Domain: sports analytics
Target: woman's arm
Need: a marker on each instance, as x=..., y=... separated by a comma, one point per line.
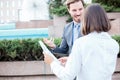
x=72, y=67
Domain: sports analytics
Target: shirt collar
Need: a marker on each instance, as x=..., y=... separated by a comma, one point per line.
x=75, y=23
x=99, y=35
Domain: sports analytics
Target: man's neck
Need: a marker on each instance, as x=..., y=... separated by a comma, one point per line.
x=76, y=22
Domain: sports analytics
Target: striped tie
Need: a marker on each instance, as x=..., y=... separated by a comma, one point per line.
x=76, y=32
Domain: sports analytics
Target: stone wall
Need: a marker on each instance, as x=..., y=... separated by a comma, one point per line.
x=56, y=25
x=34, y=24
x=26, y=70
x=35, y=70
x=115, y=22
x=59, y=23
x=115, y=29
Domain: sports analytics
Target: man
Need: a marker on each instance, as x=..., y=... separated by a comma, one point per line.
x=72, y=30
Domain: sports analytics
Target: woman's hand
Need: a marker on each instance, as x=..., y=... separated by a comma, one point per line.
x=48, y=59
x=50, y=42
x=63, y=60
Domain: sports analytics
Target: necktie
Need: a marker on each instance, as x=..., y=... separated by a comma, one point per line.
x=76, y=32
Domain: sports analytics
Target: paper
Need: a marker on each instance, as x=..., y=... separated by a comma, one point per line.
x=45, y=49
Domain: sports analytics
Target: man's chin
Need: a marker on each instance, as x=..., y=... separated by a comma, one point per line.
x=78, y=20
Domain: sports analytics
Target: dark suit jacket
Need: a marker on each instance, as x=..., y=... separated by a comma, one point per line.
x=67, y=40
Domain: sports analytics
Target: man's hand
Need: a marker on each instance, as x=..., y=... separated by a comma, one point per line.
x=50, y=42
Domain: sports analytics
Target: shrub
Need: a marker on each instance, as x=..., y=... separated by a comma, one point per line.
x=117, y=38
x=109, y=5
x=17, y=50
x=115, y=3
x=21, y=49
x=57, y=7
x=27, y=49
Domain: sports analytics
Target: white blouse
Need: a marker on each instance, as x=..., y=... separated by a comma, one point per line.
x=93, y=57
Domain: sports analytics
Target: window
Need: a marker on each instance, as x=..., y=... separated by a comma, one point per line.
x=8, y=12
x=8, y=4
x=13, y=13
x=13, y=3
x=1, y=13
x=1, y=4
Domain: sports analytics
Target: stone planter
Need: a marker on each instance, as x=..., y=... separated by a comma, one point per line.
x=59, y=22
x=25, y=70
x=116, y=75
x=113, y=15
x=115, y=22
x=34, y=70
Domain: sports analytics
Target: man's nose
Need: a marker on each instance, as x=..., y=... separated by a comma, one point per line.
x=78, y=12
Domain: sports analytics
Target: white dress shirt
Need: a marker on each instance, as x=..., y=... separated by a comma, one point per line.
x=93, y=57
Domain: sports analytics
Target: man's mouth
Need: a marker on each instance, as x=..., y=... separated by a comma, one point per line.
x=77, y=16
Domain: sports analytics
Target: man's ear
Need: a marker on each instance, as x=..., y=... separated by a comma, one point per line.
x=68, y=10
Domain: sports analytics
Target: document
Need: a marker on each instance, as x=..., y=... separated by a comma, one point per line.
x=46, y=50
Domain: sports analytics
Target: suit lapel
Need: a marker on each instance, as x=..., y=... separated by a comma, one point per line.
x=70, y=34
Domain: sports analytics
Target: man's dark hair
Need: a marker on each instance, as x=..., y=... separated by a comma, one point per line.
x=68, y=2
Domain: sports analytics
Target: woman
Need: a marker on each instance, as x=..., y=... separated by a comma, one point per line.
x=93, y=56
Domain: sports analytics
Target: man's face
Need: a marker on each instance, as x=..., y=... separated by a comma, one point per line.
x=76, y=9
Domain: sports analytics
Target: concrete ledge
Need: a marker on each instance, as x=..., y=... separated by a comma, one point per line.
x=34, y=24
x=116, y=76
x=113, y=15
x=115, y=29
x=118, y=66
x=24, y=68
x=35, y=70
x=30, y=78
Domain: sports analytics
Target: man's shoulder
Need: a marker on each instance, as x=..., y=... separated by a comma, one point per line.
x=69, y=24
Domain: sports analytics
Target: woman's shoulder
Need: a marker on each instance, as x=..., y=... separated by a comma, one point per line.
x=83, y=40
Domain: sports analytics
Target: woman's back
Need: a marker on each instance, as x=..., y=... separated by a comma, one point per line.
x=98, y=61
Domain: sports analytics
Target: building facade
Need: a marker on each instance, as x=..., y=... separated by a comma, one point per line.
x=10, y=10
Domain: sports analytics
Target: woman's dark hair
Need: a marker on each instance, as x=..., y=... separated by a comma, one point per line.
x=95, y=19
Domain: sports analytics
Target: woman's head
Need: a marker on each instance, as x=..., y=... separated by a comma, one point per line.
x=95, y=19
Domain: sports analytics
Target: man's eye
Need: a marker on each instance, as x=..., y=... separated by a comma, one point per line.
x=74, y=10
x=80, y=9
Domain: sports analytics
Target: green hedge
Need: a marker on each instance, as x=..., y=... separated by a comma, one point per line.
x=26, y=49
x=109, y=5
x=57, y=7
x=117, y=38
x=115, y=3
x=22, y=49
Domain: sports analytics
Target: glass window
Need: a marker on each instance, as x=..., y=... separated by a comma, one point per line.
x=7, y=4
x=13, y=3
x=19, y=3
x=8, y=12
x=1, y=4
x=13, y=13
x=1, y=13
